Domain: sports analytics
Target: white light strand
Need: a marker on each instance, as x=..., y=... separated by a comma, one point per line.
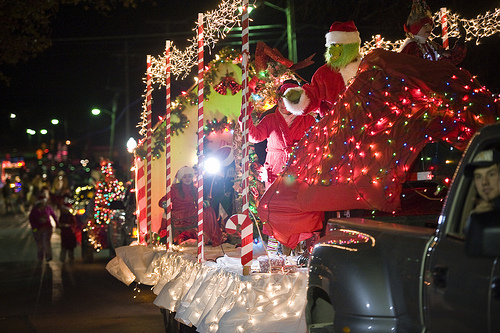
x=481, y=27
x=143, y=123
x=226, y=16
x=217, y=24
x=209, y=293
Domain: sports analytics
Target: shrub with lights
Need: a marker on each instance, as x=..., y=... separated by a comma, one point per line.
x=107, y=190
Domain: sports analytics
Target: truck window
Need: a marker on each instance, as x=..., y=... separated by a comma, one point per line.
x=459, y=228
x=467, y=202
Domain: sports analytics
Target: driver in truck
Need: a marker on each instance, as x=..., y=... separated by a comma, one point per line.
x=485, y=172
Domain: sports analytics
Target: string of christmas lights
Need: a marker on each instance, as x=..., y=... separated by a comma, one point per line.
x=216, y=299
x=482, y=26
x=179, y=120
x=382, y=122
x=107, y=190
x=218, y=23
x=223, y=19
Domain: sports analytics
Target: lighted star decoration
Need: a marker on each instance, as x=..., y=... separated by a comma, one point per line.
x=482, y=26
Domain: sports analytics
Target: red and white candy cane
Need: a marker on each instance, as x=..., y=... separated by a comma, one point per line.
x=167, y=148
x=246, y=228
x=148, y=154
x=201, y=241
x=378, y=41
x=444, y=28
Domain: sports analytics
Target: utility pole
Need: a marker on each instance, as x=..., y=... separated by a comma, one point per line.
x=290, y=27
x=113, y=117
x=127, y=91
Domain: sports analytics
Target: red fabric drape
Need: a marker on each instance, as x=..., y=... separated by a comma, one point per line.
x=358, y=155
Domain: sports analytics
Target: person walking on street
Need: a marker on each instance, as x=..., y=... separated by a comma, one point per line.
x=7, y=196
x=42, y=228
x=67, y=224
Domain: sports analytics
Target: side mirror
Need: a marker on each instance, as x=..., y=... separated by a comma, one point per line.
x=483, y=235
x=117, y=204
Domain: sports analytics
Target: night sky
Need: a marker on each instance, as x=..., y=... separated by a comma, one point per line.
x=86, y=66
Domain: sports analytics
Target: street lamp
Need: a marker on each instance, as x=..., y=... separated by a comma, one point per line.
x=112, y=113
x=131, y=145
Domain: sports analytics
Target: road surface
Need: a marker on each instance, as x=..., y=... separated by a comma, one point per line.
x=65, y=297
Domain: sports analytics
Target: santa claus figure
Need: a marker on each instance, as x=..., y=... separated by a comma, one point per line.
x=282, y=129
x=418, y=28
x=330, y=80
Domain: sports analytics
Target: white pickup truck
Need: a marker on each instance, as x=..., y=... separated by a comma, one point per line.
x=372, y=276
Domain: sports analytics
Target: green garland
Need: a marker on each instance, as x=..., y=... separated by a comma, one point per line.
x=218, y=125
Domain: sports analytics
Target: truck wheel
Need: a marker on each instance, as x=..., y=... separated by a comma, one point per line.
x=87, y=249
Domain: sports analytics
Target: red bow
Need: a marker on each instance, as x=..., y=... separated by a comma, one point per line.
x=263, y=54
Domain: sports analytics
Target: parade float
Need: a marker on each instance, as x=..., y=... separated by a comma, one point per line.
x=245, y=288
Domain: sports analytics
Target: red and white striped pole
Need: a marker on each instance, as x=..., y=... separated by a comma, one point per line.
x=201, y=241
x=140, y=191
x=167, y=147
x=148, y=154
x=247, y=227
x=444, y=28
x=378, y=41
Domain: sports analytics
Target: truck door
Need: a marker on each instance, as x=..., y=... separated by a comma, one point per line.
x=495, y=299
x=457, y=286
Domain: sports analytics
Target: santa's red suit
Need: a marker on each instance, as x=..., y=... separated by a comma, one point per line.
x=359, y=155
x=280, y=138
x=418, y=27
x=185, y=213
x=328, y=82
x=429, y=50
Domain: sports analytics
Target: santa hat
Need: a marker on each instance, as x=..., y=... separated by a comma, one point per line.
x=185, y=170
x=419, y=16
x=286, y=85
x=342, y=33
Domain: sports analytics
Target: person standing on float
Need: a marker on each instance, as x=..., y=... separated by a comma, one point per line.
x=282, y=129
x=330, y=80
x=418, y=28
